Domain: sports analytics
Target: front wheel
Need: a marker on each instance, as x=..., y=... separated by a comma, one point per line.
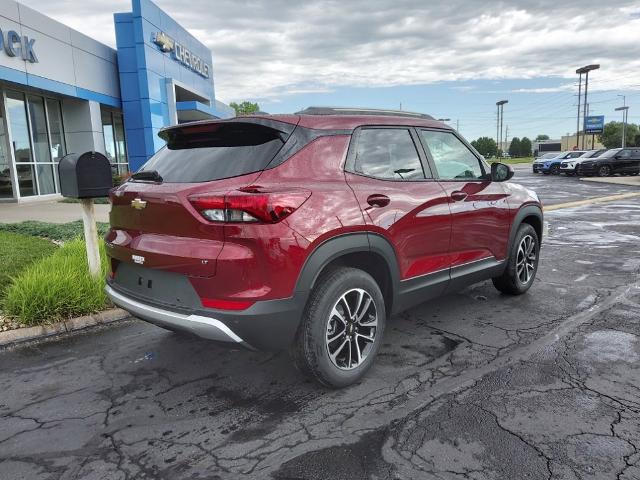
x=604, y=171
x=522, y=263
x=555, y=170
x=341, y=329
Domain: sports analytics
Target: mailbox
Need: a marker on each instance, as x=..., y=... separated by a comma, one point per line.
x=85, y=176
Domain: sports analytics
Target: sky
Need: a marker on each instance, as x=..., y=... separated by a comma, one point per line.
x=450, y=59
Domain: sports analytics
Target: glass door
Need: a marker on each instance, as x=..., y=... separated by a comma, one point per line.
x=41, y=149
x=21, y=144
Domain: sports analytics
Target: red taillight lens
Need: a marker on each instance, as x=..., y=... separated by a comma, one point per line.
x=252, y=206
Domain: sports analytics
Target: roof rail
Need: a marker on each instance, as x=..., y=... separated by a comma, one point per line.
x=361, y=111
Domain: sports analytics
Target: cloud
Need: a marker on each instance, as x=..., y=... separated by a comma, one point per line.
x=271, y=48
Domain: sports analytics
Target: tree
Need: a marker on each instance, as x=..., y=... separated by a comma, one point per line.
x=612, y=135
x=245, y=108
x=486, y=146
x=541, y=138
x=514, y=147
x=525, y=147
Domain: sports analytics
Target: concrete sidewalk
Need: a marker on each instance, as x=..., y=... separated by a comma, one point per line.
x=48, y=211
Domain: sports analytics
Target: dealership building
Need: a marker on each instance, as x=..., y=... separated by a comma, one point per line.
x=63, y=92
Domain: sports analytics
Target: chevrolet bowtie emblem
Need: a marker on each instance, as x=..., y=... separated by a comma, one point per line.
x=138, y=203
x=164, y=41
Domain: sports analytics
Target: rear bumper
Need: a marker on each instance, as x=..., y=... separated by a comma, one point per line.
x=267, y=325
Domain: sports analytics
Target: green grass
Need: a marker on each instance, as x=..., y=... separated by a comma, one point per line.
x=55, y=231
x=512, y=161
x=17, y=252
x=57, y=287
x=97, y=201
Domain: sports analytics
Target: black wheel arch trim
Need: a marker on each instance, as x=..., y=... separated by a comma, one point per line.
x=344, y=244
x=524, y=212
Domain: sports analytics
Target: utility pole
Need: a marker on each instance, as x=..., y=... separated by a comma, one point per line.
x=586, y=69
x=500, y=106
x=625, y=115
x=578, y=116
x=506, y=137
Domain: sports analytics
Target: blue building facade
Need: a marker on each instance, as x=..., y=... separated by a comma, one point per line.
x=166, y=77
x=63, y=92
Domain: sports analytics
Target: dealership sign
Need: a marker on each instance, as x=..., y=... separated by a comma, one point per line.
x=181, y=54
x=594, y=124
x=15, y=45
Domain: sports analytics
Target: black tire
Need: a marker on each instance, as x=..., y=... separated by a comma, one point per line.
x=604, y=171
x=510, y=281
x=555, y=169
x=310, y=350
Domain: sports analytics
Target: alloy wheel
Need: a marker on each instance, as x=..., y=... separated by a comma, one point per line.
x=351, y=329
x=526, y=259
x=604, y=171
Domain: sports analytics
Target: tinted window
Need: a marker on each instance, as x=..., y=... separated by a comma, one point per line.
x=574, y=154
x=624, y=154
x=387, y=153
x=214, y=151
x=452, y=157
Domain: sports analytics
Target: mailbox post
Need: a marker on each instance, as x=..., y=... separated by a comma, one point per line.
x=86, y=177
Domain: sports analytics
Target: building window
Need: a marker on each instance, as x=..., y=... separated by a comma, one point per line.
x=37, y=141
x=114, y=141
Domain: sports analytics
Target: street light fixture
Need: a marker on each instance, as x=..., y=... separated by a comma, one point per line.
x=499, y=122
x=586, y=69
x=444, y=119
x=625, y=114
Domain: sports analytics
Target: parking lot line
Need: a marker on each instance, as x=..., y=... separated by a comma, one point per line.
x=591, y=201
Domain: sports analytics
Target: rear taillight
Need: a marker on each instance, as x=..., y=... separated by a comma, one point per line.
x=250, y=205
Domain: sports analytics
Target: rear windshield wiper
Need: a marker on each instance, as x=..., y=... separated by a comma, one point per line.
x=148, y=176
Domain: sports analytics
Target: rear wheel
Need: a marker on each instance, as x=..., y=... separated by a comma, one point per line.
x=341, y=329
x=604, y=171
x=522, y=263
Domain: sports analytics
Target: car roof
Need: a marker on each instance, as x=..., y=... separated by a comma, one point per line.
x=332, y=118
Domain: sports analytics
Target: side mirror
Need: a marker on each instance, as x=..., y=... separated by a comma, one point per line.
x=501, y=172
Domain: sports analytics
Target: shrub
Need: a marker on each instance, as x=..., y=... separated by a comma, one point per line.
x=55, y=231
x=18, y=252
x=57, y=287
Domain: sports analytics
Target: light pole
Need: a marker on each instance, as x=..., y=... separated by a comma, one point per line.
x=586, y=69
x=500, y=106
x=625, y=114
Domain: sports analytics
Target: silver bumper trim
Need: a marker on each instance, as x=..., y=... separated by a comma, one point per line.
x=205, y=327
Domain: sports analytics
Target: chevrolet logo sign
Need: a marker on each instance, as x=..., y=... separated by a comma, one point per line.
x=138, y=203
x=164, y=41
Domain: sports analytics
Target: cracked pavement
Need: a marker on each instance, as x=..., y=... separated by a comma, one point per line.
x=475, y=385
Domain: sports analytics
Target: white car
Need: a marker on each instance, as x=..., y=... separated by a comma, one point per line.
x=570, y=165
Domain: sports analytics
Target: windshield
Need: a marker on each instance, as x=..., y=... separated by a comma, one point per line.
x=610, y=153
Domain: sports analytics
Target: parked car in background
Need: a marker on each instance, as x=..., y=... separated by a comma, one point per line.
x=306, y=232
x=546, y=156
x=624, y=161
x=552, y=165
x=568, y=166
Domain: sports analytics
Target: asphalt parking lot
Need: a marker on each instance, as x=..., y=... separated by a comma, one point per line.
x=474, y=385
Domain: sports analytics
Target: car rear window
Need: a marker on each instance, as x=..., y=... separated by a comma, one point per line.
x=201, y=153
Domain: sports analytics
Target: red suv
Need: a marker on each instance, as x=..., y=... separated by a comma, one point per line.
x=308, y=231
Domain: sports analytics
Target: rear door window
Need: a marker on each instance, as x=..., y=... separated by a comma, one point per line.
x=202, y=153
x=387, y=153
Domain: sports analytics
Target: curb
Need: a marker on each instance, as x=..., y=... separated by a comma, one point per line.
x=66, y=326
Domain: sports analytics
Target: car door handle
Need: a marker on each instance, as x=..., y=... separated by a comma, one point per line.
x=458, y=196
x=378, y=200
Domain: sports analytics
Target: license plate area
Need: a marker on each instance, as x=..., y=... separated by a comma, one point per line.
x=157, y=286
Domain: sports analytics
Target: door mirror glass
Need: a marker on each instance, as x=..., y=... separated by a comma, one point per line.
x=501, y=172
